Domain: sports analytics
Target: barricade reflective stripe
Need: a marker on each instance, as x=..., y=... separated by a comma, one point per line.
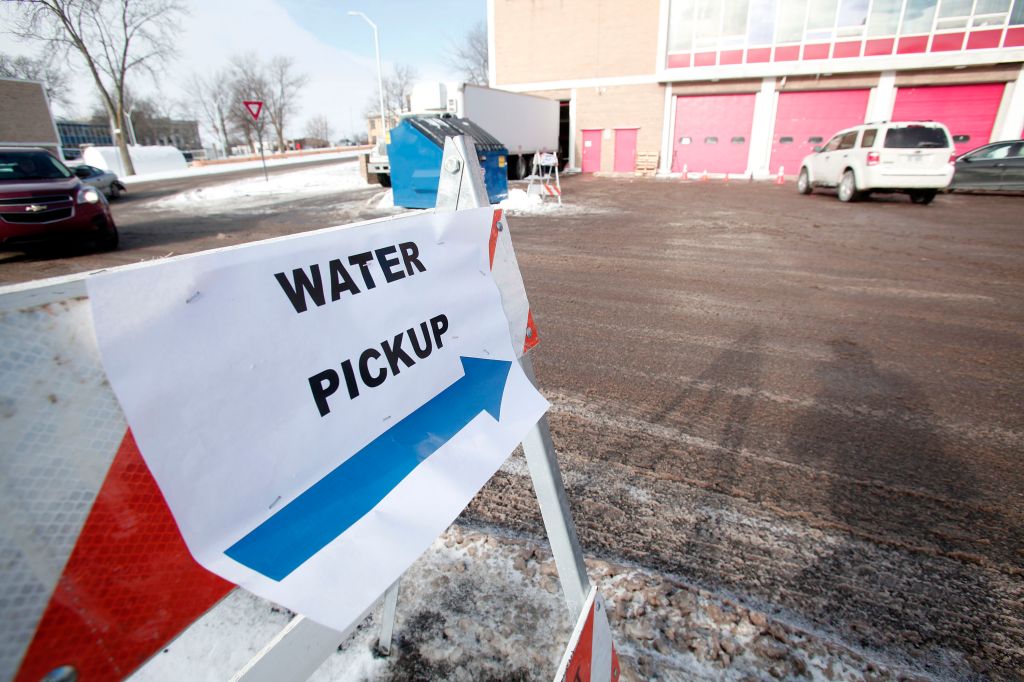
x=97, y=590
x=591, y=655
x=129, y=587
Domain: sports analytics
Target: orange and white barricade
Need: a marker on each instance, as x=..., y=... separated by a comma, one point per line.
x=590, y=656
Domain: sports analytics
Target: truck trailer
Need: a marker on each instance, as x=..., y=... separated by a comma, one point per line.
x=524, y=124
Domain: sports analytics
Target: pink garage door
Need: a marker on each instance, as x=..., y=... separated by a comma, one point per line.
x=591, y=151
x=625, y=150
x=712, y=133
x=807, y=119
x=969, y=111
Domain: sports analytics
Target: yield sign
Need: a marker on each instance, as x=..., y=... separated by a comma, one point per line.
x=254, y=107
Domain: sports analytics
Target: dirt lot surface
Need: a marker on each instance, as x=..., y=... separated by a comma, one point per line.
x=815, y=407
x=811, y=409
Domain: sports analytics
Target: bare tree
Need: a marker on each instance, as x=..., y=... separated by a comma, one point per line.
x=213, y=101
x=284, y=84
x=320, y=128
x=397, y=89
x=469, y=55
x=41, y=68
x=115, y=38
x=248, y=82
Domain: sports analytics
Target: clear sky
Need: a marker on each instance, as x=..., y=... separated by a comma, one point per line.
x=333, y=49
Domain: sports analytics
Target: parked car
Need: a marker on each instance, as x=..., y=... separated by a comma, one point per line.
x=914, y=157
x=999, y=165
x=104, y=180
x=41, y=200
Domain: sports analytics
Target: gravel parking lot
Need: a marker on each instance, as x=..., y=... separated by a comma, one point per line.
x=809, y=407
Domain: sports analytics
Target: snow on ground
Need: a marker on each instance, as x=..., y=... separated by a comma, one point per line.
x=217, y=169
x=519, y=202
x=482, y=604
x=257, y=192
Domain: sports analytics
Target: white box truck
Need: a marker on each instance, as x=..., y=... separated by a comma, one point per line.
x=525, y=124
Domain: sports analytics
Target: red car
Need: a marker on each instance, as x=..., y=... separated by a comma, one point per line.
x=42, y=201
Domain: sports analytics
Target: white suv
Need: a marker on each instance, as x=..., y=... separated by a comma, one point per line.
x=915, y=157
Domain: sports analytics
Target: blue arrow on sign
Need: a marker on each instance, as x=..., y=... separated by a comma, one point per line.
x=330, y=506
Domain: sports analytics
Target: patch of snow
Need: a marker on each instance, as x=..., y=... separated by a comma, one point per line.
x=482, y=604
x=217, y=169
x=256, y=192
x=146, y=159
x=519, y=202
x=382, y=200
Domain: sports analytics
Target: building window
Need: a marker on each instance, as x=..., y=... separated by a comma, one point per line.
x=791, y=19
x=680, y=26
x=853, y=15
x=710, y=140
x=961, y=138
x=953, y=14
x=719, y=25
x=918, y=16
x=786, y=139
x=1017, y=15
x=990, y=12
x=814, y=139
x=885, y=17
x=707, y=24
x=821, y=17
x=761, y=23
x=739, y=139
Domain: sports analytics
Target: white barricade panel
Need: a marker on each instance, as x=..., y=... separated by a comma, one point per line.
x=69, y=521
x=317, y=409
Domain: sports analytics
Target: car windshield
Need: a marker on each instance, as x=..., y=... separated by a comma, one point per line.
x=915, y=137
x=29, y=165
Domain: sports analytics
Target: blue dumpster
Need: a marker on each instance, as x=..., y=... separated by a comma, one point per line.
x=417, y=144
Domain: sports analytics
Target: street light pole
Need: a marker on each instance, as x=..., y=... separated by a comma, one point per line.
x=380, y=75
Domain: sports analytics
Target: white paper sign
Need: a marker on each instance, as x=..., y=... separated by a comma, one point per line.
x=316, y=409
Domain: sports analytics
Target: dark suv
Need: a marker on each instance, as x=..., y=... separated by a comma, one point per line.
x=41, y=200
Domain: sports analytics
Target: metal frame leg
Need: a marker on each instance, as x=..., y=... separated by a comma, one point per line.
x=542, y=462
x=387, y=619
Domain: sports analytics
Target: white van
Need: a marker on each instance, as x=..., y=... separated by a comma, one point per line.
x=915, y=157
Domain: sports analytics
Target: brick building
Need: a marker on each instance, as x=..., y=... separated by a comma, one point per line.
x=747, y=86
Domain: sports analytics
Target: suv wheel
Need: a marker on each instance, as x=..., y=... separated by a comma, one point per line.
x=108, y=237
x=803, y=182
x=848, y=187
x=922, y=196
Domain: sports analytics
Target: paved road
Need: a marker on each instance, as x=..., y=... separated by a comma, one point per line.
x=811, y=406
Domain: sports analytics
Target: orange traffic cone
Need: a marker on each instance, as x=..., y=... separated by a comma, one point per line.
x=727, y=177
x=686, y=173
x=704, y=177
x=781, y=177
